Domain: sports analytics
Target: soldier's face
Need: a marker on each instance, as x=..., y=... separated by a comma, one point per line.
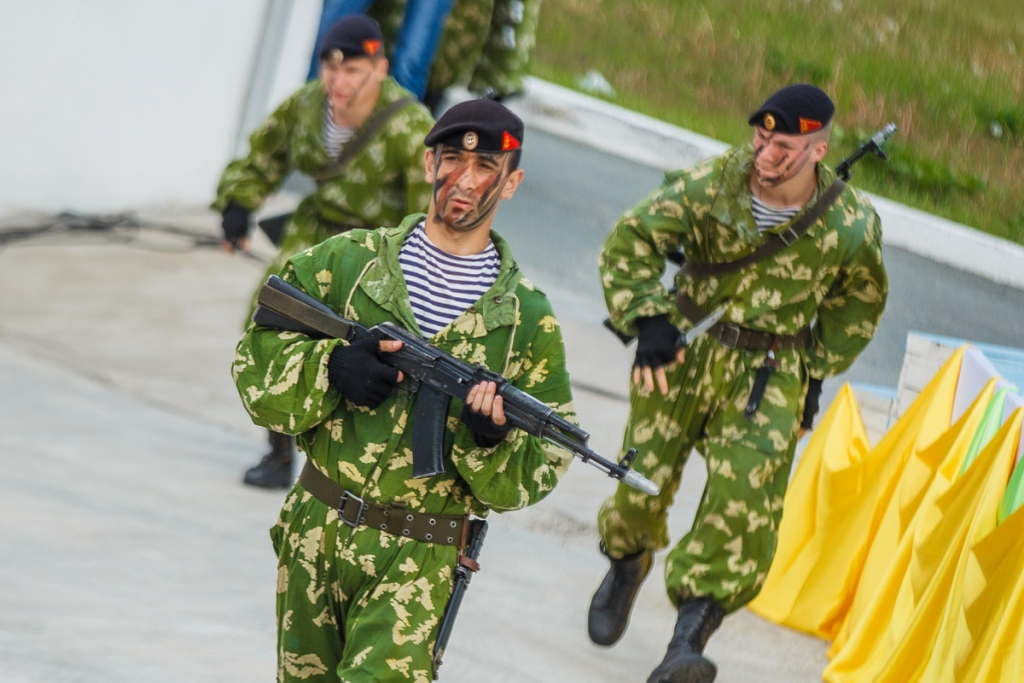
x=353, y=82
x=468, y=186
x=780, y=157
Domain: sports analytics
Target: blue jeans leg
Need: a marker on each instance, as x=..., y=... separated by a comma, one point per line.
x=418, y=43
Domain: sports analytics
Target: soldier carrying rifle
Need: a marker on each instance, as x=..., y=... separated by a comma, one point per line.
x=367, y=552
x=795, y=257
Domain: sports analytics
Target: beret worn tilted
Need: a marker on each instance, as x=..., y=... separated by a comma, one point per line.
x=478, y=126
x=354, y=36
x=796, y=110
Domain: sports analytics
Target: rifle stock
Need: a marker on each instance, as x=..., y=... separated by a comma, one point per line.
x=440, y=375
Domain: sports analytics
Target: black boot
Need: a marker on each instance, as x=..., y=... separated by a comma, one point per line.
x=609, y=610
x=275, y=469
x=684, y=661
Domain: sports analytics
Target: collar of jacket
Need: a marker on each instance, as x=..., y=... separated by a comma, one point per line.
x=385, y=283
x=732, y=205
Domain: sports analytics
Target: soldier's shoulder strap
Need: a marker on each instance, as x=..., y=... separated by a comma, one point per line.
x=362, y=137
x=773, y=246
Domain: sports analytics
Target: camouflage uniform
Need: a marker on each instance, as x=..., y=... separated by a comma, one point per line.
x=506, y=53
x=362, y=605
x=832, y=277
x=382, y=184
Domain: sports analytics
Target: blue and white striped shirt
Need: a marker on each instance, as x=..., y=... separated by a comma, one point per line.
x=442, y=285
x=767, y=218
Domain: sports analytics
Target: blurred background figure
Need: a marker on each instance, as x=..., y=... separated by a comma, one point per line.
x=415, y=45
x=486, y=45
x=359, y=135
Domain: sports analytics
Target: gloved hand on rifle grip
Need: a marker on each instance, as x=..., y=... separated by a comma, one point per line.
x=235, y=223
x=656, y=342
x=487, y=434
x=811, y=403
x=358, y=373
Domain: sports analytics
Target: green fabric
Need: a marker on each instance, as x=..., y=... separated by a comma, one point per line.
x=1014, y=496
x=367, y=579
x=990, y=423
x=832, y=276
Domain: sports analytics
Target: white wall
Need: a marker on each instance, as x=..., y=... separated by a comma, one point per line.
x=109, y=105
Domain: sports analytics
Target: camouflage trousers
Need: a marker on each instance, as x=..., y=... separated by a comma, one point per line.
x=728, y=550
x=354, y=605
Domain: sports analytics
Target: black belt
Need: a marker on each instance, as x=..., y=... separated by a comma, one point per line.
x=392, y=519
x=736, y=337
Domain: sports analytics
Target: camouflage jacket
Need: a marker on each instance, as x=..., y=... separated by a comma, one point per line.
x=282, y=379
x=832, y=277
x=385, y=182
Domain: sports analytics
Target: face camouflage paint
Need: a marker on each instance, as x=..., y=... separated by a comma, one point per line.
x=457, y=206
x=788, y=164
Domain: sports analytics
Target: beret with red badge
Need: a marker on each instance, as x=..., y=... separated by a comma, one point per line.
x=354, y=36
x=796, y=110
x=478, y=126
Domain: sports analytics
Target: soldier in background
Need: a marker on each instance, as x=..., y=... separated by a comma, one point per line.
x=798, y=311
x=415, y=43
x=360, y=136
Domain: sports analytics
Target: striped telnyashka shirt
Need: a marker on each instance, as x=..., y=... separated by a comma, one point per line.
x=335, y=136
x=767, y=218
x=441, y=285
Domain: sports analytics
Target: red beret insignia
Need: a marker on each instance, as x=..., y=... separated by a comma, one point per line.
x=808, y=125
x=370, y=47
x=508, y=142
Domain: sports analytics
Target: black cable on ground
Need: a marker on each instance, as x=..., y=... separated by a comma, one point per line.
x=123, y=228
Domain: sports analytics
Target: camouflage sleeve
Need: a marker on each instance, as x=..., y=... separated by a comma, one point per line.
x=632, y=259
x=248, y=181
x=523, y=469
x=852, y=309
x=282, y=376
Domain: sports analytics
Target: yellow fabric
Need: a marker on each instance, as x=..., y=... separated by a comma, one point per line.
x=946, y=527
x=889, y=550
x=989, y=641
x=822, y=521
x=924, y=421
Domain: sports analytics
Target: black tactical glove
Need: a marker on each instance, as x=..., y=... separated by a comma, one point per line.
x=656, y=343
x=358, y=373
x=811, y=403
x=235, y=223
x=487, y=434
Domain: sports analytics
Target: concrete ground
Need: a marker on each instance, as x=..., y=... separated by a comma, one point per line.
x=131, y=551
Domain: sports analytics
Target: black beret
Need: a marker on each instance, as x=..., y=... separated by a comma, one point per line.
x=355, y=35
x=478, y=126
x=796, y=109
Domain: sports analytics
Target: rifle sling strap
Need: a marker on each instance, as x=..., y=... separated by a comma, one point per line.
x=774, y=245
x=362, y=137
x=293, y=309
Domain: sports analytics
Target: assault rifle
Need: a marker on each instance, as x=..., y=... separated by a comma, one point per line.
x=872, y=146
x=437, y=377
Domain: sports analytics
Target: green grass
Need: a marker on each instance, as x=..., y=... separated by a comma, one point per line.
x=949, y=73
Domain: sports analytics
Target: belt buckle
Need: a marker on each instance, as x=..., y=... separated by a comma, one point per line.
x=733, y=337
x=345, y=498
